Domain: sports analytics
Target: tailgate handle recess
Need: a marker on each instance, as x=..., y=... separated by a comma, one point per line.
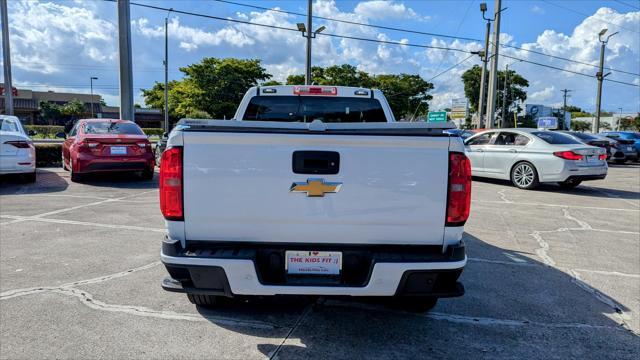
x=316, y=162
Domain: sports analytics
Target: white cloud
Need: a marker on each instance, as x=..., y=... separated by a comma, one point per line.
x=381, y=9
x=543, y=95
x=43, y=34
x=537, y=10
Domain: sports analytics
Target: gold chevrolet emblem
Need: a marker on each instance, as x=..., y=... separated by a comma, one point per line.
x=315, y=187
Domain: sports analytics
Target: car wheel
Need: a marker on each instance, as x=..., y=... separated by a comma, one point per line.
x=75, y=177
x=64, y=166
x=417, y=304
x=569, y=184
x=205, y=300
x=29, y=178
x=158, y=153
x=524, y=176
x=620, y=161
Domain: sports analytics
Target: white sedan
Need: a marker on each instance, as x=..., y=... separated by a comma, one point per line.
x=17, y=153
x=529, y=157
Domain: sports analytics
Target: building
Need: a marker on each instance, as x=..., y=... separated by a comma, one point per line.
x=26, y=106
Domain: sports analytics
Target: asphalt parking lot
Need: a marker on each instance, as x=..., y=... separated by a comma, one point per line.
x=551, y=274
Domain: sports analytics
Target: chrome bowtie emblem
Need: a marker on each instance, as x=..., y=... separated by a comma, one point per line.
x=315, y=187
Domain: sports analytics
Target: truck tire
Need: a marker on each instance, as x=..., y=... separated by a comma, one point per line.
x=204, y=300
x=416, y=304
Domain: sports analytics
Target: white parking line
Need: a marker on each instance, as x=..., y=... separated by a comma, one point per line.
x=83, y=223
x=26, y=218
x=550, y=205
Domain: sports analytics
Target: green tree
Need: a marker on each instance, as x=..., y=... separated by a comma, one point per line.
x=605, y=126
x=271, y=83
x=630, y=123
x=572, y=109
x=579, y=125
x=577, y=114
x=214, y=86
x=73, y=109
x=50, y=112
x=515, y=91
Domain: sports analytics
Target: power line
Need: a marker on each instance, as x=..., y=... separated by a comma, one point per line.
x=361, y=39
x=452, y=67
x=566, y=70
x=418, y=32
x=588, y=15
x=624, y=3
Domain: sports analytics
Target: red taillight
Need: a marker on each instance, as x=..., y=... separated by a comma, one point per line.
x=459, y=193
x=602, y=157
x=20, y=144
x=568, y=155
x=171, y=184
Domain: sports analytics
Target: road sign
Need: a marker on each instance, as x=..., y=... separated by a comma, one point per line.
x=547, y=122
x=459, y=108
x=435, y=116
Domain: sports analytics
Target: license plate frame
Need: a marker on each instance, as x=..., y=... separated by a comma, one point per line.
x=303, y=262
x=118, y=150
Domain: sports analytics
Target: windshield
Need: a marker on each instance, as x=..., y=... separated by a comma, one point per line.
x=554, y=137
x=8, y=125
x=307, y=109
x=108, y=127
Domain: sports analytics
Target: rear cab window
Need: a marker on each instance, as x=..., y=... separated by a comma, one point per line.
x=554, y=138
x=9, y=125
x=309, y=108
x=115, y=128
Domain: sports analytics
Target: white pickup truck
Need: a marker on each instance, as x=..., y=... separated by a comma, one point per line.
x=314, y=190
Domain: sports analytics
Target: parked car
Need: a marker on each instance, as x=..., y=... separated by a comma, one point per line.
x=460, y=132
x=314, y=190
x=625, y=137
x=589, y=139
x=620, y=150
x=529, y=157
x=98, y=145
x=17, y=152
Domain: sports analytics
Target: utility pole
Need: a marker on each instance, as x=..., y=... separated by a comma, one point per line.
x=6, y=53
x=309, y=34
x=124, y=54
x=600, y=76
x=619, y=118
x=565, y=95
x=485, y=59
x=307, y=76
x=493, y=76
x=91, y=85
x=166, y=72
x=504, y=96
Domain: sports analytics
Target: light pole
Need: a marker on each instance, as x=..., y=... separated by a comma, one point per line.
x=619, y=118
x=166, y=71
x=309, y=35
x=6, y=53
x=600, y=76
x=504, y=92
x=493, y=74
x=91, y=85
x=484, y=57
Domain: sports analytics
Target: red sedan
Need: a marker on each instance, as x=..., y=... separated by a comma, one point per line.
x=97, y=145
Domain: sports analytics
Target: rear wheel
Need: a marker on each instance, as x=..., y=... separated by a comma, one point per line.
x=569, y=184
x=75, y=177
x=64, y=166
x=205, y=300
x=524, y=176
x=620, y=161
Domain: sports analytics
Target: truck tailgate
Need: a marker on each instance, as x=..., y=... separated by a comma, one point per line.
x=237, y=188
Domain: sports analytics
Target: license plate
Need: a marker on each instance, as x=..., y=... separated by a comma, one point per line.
x=629, y=148
x=313, y=262
x=118, y=150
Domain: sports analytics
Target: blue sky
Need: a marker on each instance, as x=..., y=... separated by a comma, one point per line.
x=58, y=45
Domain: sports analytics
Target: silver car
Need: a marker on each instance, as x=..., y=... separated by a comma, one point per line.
x=529, y=157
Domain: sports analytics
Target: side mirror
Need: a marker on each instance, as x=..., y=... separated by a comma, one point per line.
x=61, y=135
x=32, y=133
